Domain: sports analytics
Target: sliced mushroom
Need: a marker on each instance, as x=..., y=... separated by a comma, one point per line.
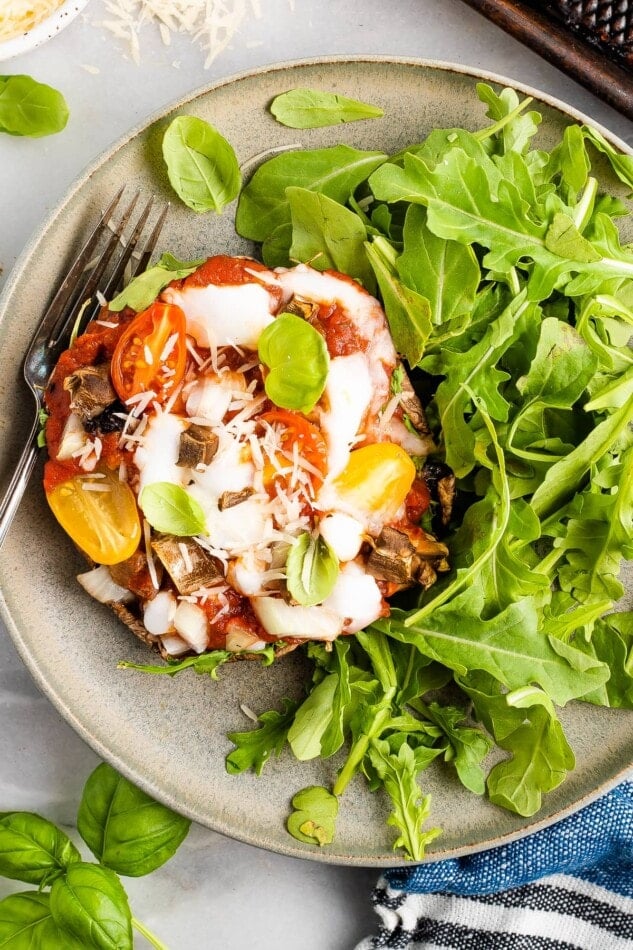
x=411, y=405
x=302, y=308
x=228, y=499
x=198, y=445
x=393, y=558
x=134, y=574
x=441, y=484
x=90, y=390
x=189, y=566
x=407, y=556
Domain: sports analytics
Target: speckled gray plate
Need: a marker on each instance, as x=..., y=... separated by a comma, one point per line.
x=169, y=735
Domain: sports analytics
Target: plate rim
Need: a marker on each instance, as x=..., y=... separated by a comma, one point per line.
x=107, y=754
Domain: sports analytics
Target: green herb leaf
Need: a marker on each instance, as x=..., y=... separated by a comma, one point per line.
x=206, y=663
x=92, y=906
x=314, y=817
x=172, y=510
x=254, y=748
x=335, y=172
x=297, y=360
x=30, y=108
x=313, y=109
x=143, y=290
x=202, y=166
x=33, y=849
x=26, y=922
x=311, y=569
x=411, y=808
x=126, y=829
x=328, y=236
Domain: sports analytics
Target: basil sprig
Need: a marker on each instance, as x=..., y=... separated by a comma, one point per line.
x=80, y=904
x=297, y=360
x=172, y=510
x=311, y=569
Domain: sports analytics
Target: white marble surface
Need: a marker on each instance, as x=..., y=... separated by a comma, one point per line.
x=215, y=892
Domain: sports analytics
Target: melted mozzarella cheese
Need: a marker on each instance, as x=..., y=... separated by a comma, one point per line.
x=229, y=470
x=348, y=393
x=238, y=528
x=225, y=314
x=343, y=533
x=287, y=620
x=356, y=598
x=158, y=453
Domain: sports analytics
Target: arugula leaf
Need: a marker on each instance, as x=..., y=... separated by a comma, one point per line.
x=202, y=167
x=411, y=809
x=314, y=816
x=254, y=748
x=145, y=288
x=205, y=663
x=313, y=109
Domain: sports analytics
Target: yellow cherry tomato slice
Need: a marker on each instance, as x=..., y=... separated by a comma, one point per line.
x=99, y=513
x=376, y=479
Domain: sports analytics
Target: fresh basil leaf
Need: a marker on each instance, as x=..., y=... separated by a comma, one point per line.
x=172, y=510
x=314, y=818
x=31, y=108
x=33, y=849
x=144, y=289
x=311, y=569
x=314, y=109
x=92, y=906
x=297, y=359
x=335, y=172
x=126, y=829
x=202, y=166
x=26, y=923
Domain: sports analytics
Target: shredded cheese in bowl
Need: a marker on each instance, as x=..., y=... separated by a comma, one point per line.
x=19, y=16
x=25, y=24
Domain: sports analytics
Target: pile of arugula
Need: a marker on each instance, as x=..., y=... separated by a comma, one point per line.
x=508, y=289
x=510, y=294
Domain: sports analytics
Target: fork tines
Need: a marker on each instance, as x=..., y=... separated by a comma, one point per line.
x=110, y=257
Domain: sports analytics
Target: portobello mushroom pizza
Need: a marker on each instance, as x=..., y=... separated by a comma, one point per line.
x=244, y=461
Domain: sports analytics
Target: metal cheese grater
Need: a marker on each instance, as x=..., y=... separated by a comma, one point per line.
x=607, y=23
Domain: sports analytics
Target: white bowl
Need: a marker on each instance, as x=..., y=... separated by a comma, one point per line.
x=43, y=31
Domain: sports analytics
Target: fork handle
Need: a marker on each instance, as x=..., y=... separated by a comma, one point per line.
x=17, y=486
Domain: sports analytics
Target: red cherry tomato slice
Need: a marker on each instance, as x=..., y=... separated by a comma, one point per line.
x=151, y=354
x=296, y=429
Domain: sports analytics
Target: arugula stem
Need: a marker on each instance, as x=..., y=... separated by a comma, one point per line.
x=359, y=749
x=584, y=208
x=149, y=936
x=505, y=120
x=549, y=561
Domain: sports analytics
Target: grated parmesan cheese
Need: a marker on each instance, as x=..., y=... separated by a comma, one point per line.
x=210, y=23
x=19, y=16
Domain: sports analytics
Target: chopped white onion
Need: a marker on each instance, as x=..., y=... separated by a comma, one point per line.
x=159, y=612
x=280, y=619
x=191, y=623
x=99, y=584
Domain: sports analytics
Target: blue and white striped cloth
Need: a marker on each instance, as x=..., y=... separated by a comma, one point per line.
x=567, y=887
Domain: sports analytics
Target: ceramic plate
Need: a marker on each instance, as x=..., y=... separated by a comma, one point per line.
x=169, y=735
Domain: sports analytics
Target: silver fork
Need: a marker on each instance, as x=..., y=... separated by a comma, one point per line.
x=96, y=271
